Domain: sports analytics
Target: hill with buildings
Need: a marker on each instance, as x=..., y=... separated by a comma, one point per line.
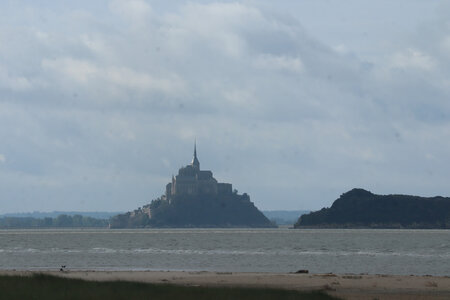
x=359, y=208
x=194, y=198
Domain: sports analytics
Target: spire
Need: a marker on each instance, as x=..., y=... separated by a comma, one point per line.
x=195, y=161
x=195, y=148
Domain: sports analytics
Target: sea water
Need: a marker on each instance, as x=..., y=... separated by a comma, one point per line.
x=404, y=252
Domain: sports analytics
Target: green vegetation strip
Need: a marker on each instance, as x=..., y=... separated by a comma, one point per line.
x=41, y=286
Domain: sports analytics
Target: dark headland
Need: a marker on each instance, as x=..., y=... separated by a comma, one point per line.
x=194, y=198
x=359, y=208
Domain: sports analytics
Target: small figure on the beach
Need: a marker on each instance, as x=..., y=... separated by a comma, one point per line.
x=63, y=268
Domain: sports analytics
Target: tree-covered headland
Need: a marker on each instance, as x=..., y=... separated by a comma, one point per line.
x=359, y=208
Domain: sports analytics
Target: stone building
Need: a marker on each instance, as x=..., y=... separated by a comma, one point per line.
x=193, y=181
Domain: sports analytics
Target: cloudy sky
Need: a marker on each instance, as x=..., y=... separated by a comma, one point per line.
x=294, y=102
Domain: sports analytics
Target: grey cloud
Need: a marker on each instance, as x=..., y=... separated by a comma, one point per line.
x=99, y=105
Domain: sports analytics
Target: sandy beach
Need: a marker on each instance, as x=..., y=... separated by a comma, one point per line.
x=343, y=286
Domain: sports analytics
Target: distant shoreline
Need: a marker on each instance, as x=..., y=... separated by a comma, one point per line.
x=368, y=228
x=348, y=286
x=280, y=227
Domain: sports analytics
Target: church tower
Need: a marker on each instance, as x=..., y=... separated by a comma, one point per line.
x=195, y=163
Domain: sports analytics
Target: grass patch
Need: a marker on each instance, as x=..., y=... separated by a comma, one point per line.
x=41, y=286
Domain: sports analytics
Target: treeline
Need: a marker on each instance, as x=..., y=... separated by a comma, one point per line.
x=61, y=221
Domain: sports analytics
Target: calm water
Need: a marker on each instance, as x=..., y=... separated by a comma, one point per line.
x=260, y=250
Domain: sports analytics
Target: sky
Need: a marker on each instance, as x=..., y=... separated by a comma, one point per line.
x=293, y=102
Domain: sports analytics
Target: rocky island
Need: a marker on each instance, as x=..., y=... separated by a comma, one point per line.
x=194, y=198
x=359, y=208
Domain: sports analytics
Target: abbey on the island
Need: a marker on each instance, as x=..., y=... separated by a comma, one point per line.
x=194, y=198
x=193, y=181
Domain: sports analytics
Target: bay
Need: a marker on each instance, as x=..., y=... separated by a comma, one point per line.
x=402, y=252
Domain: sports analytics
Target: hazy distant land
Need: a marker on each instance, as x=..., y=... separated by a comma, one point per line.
x=284, y=217
x=55, y=214
x=60, y=221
